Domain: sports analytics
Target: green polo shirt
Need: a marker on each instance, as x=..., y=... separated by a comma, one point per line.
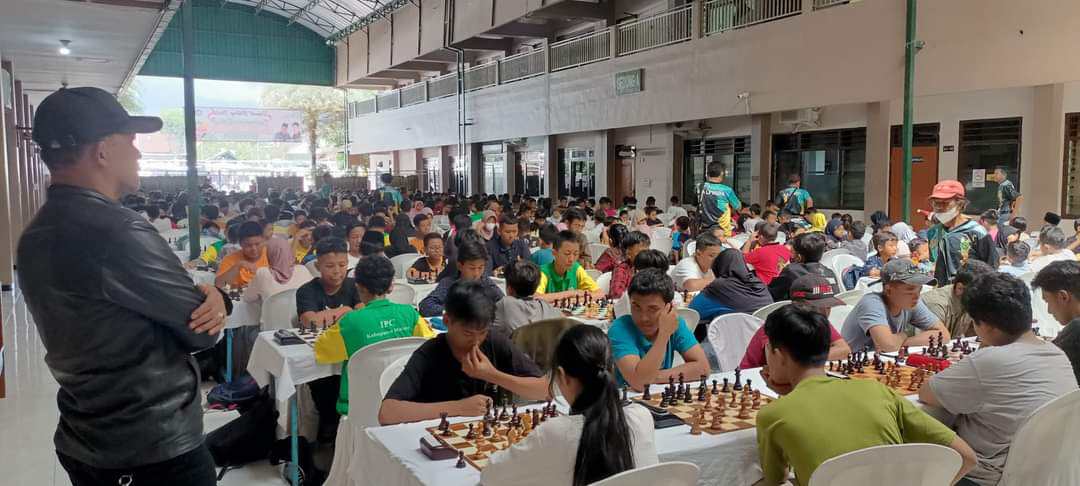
x=379, y=320
x=825, y=417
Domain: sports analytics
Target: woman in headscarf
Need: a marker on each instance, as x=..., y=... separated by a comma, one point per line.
x=282, y=274
x=735, y=289
x=399, y=236
x=487, y=224
x=835, y=233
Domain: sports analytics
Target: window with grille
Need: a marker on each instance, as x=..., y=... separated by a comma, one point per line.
x=733, y=152
x=984, y=146
x=1071, y=189
x=831, y=163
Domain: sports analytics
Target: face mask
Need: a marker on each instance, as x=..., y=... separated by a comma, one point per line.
x=946, y=216
x=490, y=226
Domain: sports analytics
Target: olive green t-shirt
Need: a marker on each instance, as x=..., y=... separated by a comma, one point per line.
x=825, y=417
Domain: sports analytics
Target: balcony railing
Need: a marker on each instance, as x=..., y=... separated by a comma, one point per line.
x=659, y=30
x=365, y=107
x=442, y=86
x=413, y=94
x=482, y=76
x=522, y=66
x=388, y=101
x=656, y=31
x=581, y=50
x=725, y=15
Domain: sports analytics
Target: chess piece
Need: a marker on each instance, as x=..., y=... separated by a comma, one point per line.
x=756, y=403
x=738, y=379
x=715, y=388
x=625, y=397
x=726, y=387
x=444, y=424
x=748, y=387
x=646, y=396
x=460, y=460
x=695, y=427
x=717, y=421
x=512, y=435
x=664, y=400
x=744, y=412
x=734, y=398
x=471, y=434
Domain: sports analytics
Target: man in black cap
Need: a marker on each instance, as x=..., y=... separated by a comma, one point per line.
x=895, y=317
x=117, y=313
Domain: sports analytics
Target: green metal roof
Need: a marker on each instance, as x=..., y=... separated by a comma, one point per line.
x=235, y=43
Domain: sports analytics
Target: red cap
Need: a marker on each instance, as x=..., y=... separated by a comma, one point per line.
x=948, y=189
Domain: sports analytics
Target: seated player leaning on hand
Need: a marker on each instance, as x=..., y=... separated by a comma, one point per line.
x=815, y=292
x=378, y=320
x=644, y=343
x=989, y=394
x=459, y=372
x=320, y=303
x=565, y=277
x=601, y=437
x=818, y=417
x=694, y=272
x=881, y=320
x=238, y=268
x=471, y=261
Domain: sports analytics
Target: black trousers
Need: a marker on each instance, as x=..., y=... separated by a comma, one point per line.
x=324, y=392
x=195, y=468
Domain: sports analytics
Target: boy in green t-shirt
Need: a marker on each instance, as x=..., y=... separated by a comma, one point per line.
x=564, y=277
x=820, y=417
x=377, y=320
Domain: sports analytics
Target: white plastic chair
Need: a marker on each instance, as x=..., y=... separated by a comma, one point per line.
x=660, y=233
x=402, y=263
x=391, y=373
x=781, y=237
x=737, y=241
x=279, y=311
x=604, y=281
x=851, y=297
x=763, y=313
x=441, y=222
x=690, y=316
x=662, y=244
x=866, y=237
x=366, y=368
x=663, y=474
x=691, y=247
x=593, y=273
x=596, y=250
x=402, y=293
x=310, y=266
x=829, y=255
x=1044, y=448
x=729, y=335
x=839, y=263
x=838, y=315
x=890, y=465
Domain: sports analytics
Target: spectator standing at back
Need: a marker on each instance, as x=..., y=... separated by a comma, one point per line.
x=388, y=193
x=1009, y=198
x=717, y=201
x=954, y=237
x=989, y=394
x=794, y=199
x=1059, y=284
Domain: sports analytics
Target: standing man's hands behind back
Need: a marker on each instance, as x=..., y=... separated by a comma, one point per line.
x=209, y=317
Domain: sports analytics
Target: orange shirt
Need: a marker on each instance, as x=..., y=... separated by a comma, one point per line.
x=243, y=278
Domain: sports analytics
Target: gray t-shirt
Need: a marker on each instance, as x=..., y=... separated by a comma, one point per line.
x=512, y=313
x=990, y=393
x=871, y=311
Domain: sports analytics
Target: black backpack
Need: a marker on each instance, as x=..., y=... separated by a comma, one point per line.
x=247, y=438
x=791, y=205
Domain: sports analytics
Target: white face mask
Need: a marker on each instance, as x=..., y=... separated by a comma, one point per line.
x=490, y=226
x=947, y=216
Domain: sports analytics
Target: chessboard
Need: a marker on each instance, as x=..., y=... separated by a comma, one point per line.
x=905, y=380
x=477, y=440
x=587, y=308
x=310, y=334
x=714, y=410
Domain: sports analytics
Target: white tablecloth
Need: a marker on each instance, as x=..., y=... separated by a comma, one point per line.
x=201, y=277
x=244, y=314
x=290, y=366
x=390, y=456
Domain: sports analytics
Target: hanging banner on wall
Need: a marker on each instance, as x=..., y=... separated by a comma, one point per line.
x=978, y=178
x=249, y=125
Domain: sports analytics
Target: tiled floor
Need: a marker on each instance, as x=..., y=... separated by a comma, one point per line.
x=28, y=415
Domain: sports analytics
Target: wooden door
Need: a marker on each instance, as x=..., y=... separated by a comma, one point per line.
x=924, y=174
x=621, y=181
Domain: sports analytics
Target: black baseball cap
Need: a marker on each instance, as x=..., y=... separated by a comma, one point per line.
x=77, y=116
x=817, y=290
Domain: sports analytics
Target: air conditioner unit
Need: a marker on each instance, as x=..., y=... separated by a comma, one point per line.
x=806, y=116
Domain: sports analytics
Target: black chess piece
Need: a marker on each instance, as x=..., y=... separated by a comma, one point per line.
x=625, y=396
x=646, y=396
x=726, y=387
x=738, y=377
x=748, y=384
x=460, y=460
x=715, y=388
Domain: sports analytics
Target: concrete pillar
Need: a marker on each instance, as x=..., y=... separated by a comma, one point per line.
x=678, y=160
x=1041, y=177
x=603, y=155
x=761, y=157
x=447, y=168
x=697, y=19
x=476, y=165
x=878, y=151
x=551, y=156
x=7, y=248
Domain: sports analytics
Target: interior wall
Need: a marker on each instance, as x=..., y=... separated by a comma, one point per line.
x=379, y=55
x=406, y=34
x=652, y=168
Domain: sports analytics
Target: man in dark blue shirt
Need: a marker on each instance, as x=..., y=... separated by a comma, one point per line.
x=507, y=247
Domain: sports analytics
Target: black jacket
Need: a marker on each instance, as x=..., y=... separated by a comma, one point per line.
x=112, y=303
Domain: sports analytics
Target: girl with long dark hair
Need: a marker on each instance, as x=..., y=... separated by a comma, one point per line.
x=601, y=437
